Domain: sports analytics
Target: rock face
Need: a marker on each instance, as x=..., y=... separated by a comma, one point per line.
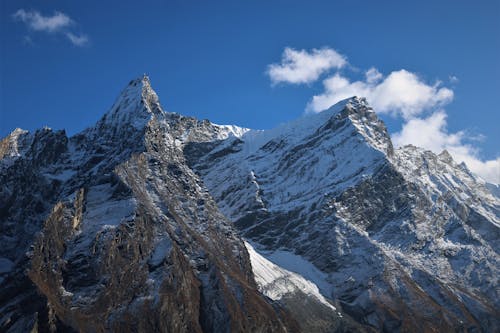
x=127, y=236
x=404, y=240
x=136, y=224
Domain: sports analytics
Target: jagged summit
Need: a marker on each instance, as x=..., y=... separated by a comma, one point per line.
x=446, y=156
x=308, y=151
x=135, y=106
x=10, y=145
x=354, y=113
x=353, y=102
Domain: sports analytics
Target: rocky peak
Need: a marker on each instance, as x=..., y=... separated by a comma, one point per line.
x=138, y=242
x=367, y=123
x=445, y=157
x=13, y=145
x=136, y=105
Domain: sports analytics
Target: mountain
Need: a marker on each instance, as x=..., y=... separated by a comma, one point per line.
x=152, y=221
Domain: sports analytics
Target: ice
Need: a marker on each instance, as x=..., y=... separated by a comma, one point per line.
x=275, y=281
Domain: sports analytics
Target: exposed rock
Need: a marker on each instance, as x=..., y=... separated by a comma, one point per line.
x=136, y=225
x=406, y=240
x=130, y=240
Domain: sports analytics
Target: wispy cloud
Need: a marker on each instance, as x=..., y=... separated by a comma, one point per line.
x=453, y=79
x=38, y=22
x=77, y=40
x=401, y=94
x=58, y=23
x=301, y=66
x=27, y=40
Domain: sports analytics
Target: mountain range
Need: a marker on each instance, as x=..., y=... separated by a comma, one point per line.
x=150, y=221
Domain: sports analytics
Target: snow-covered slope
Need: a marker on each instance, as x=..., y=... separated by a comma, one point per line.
x=297, y=163
x=276, y=282
x=404, y=239
x=136, y=223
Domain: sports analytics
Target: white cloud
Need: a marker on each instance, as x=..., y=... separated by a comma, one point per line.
x=301, y=66
x=431, y=133
x=58, y=23
x=38, y=22
x=77, y=40
x=373, y=75
x=401, y=92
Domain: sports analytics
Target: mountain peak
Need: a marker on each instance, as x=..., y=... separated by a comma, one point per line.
x=365, y=120
x=136, y=105
x=446, y=156
x=353, y=103
x=139, y=84
x=356, y=102
x=12, y=145
x=140, y=88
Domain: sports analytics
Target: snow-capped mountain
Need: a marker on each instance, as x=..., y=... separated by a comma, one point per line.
x=406, y=239
x=152, y=221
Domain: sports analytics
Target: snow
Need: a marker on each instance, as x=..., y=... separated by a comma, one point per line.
x=301, y=266
x=279, y=181
x=135, y=106
x=293, y=132
x=17, y=146
x=441, y=177
x=103, y=211
x=276, y=282
x=14, y=142
x=64, y=292
x=227, y=131
x=303, y=166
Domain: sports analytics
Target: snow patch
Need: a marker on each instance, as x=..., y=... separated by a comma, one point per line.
x=276, y=282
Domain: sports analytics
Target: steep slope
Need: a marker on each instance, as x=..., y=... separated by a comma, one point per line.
x=127, y=236
x=405, y=240
x=124, y=227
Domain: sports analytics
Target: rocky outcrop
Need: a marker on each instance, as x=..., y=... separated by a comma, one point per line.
x=129, y=239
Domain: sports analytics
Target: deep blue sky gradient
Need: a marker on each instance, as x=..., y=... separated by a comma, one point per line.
x=208, y=58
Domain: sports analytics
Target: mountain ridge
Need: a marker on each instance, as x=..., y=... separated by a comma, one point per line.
x=326, y=202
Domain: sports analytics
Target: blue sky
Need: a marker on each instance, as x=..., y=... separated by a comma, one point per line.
x=211, y=60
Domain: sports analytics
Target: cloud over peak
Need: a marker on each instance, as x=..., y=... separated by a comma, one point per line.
x=401, y=92
x=57, y=23
x=432, y=133
x=301, y=66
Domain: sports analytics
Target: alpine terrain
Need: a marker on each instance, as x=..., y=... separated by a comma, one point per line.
x=150, y=221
